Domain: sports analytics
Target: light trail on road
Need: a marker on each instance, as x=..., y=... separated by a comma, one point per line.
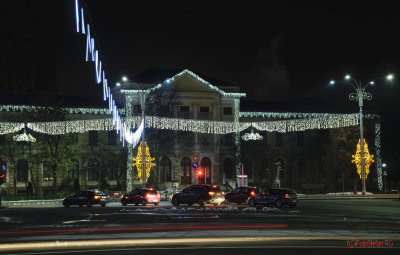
x=122, y=229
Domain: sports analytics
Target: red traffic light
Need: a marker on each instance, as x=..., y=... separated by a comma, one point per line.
x=199, y=172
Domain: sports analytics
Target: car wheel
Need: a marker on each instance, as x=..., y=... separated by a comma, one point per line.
x=278, y=203
x=124, y=203
x=66, y=204
x=155, y=203
x=80, y=205
x=238, y=203
x=190, y=204
x=136, y=204
x=252, y=203
x=175, y=201
x=201, y=202
x=103, y=205
x=144, y=202
x=89, y=204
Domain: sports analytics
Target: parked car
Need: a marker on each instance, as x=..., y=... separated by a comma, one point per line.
x=142, y=196
x=277, y=197
x=86, y=197
x=114, y=195
x=200, y=194
x=241, y=194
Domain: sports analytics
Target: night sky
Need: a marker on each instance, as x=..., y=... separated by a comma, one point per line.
x=276, y=51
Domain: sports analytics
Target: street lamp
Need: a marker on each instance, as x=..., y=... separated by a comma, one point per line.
x=384, y=175
x=360, y=95
x=142, y=104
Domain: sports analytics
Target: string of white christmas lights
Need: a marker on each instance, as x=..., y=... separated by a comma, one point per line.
x=301, y=115
x=10, y=127
x=190, y=125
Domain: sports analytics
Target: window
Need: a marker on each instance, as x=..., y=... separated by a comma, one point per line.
x=204, y=109
x=137, y=108
x=112, y=169
x=301, y=171
x=74, y=170
x=112, y=137
x=165, y=170
x=227, y=110
x=93, y=174
x=227, y=139
x=186, y=171
x=184, y=109
x=22, y=170
x=300, y=138
x=321, y=172
x=47, y=172
x=72, y=138
x=93, y=138
x=206, y=165
x=229, y=168
x=278, y=139
x=2, y=139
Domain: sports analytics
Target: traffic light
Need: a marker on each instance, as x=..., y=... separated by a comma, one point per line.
x=199, y=173
x=3, y=170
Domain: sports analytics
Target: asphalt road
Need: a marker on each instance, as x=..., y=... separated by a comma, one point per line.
x=115, y=229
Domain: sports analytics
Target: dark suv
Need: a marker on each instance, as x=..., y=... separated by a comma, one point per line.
x=200, y=194
x=241, y=194
x=86, y=197
x=142, y=196
x=277, y=197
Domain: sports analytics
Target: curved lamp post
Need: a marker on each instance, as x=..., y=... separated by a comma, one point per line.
x=360, y=95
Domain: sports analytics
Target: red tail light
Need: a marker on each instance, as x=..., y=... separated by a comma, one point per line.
x=286, y=195
x=252, y=193
x=211, y=193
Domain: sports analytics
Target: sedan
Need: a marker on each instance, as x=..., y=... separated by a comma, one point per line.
x=241, y=194
x=86, y=197
x=277, y=197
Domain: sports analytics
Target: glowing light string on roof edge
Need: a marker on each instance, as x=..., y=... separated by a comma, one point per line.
x=189, y=125
x=92, y=54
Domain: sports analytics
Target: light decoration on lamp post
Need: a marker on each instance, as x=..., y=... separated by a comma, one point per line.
x=365, y=160
x=360, y=95
x=143, y=162
x=252, y=136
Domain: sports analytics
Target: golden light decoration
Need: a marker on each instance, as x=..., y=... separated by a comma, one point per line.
x=369, y=159
x=139, y=161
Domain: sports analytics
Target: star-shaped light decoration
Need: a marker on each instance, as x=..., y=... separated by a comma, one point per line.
x=252, y=136
x=148, y=164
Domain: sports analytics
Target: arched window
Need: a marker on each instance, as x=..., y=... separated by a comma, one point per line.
x=229, y=168
x=165, y=170
x=206, y=166
x=186, y=171
x=93, y=174
x=74, y=170
x=22, y=170
x=112, y=169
